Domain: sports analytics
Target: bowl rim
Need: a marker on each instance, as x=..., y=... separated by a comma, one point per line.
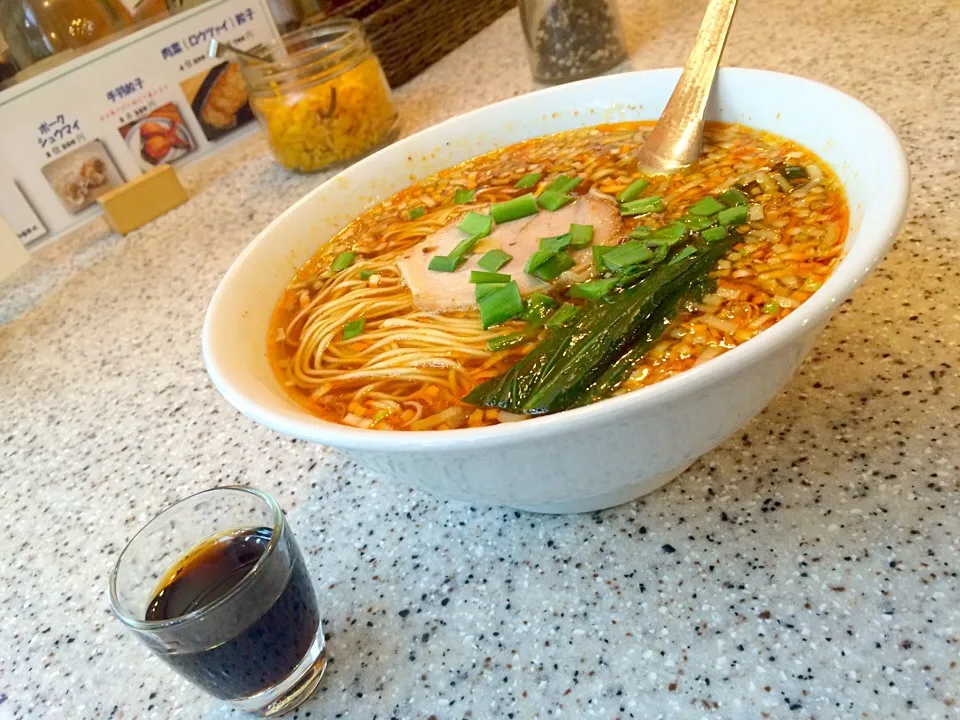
x=852, y=270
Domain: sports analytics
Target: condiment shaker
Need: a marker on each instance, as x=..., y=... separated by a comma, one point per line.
x=571, y=39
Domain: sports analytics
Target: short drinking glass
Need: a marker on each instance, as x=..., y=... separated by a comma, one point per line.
x=216, y=586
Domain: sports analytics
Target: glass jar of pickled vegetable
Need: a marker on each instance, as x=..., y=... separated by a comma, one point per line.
x=322, y=98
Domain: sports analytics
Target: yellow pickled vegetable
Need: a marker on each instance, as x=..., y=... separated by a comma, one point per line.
x=331, y=121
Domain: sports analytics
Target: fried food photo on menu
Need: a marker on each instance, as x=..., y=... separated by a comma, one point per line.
x=219, y=99
x=160, y=137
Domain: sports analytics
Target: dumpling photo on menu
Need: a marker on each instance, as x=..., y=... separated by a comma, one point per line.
x=82, y=175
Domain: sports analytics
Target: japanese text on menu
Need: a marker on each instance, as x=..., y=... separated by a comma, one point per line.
x=192, y=49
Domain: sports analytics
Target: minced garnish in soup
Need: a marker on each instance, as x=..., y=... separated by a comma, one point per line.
x=552, y=274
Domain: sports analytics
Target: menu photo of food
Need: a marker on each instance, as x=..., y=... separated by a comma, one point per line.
x=81, y=176
x=159, y=137
x=219, y=99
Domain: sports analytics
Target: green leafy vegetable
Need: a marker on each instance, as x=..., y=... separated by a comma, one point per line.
x=695, y=222
x=736, y=215
x=484, y=289
x=622, y=367
x=476, y=225
x=528, y=180
x=501, y=305
x=560, y=370
x=562, y=316
x=507, y=341
x=599, y=252
x=714, y=234
x=462, y=195
x=633, y=190
x=493, y=260
x=706, y=206
x=629, y=253
x=444, y=263
x=538, y=307
x=552, y=200
x=519, y=207
x=732, y=197
x=794, y=172
x=554, y=267
x=563, y=184
x=416, y=212
x=481, y=277
x=672, y=233
x=593, y=290
x=353, y=328
x=684, y=253
x=580, y=235
x=343, y=261
x=643, y=206
x=555, y=244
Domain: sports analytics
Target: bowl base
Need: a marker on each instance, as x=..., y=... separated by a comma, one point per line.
x=606, y=500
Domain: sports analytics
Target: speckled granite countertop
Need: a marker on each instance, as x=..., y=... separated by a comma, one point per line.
x=807, y=568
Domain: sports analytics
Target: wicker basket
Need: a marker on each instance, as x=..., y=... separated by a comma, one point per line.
x=410, y=35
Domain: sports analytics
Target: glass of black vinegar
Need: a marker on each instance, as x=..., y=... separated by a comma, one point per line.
x=216, y=586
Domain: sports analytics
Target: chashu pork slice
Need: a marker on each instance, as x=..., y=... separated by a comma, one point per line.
x=443, y=291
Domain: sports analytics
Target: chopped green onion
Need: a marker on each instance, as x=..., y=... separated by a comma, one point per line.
x=537, y=259
x=484, y=289
x=519, y=207
x=671, y=233
x=416, y=212
x=464, y=248
x=507, y=341
x=563, y=184
x=501, y=305
x=580, y=235
x=343, y=261
x=630, y=253
x=599, y=252
x=367, y=274
x=633, y=190
x=476, y=225
x=556, y=243
x=552, y=200
x=478, y=277
x=660, y=249
x=553, y=268
x=538, y=307
x=684, y=253
x=696, y=222
x=593, y=290
x=706, y=206
x=713, y=234
x=640, y=232
x=529, y=180
x=353, y=328
x=654, y=203
x=444, y=263
x=770, y=308
x=732, y=197
x=495, y=259
x=736, y=215
x=561, y=316
x=794, y=172
x=462, y=195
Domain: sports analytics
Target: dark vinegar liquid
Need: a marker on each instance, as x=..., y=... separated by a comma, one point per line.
x=264, y=653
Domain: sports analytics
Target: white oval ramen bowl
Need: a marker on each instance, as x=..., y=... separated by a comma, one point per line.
x=615, y=450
